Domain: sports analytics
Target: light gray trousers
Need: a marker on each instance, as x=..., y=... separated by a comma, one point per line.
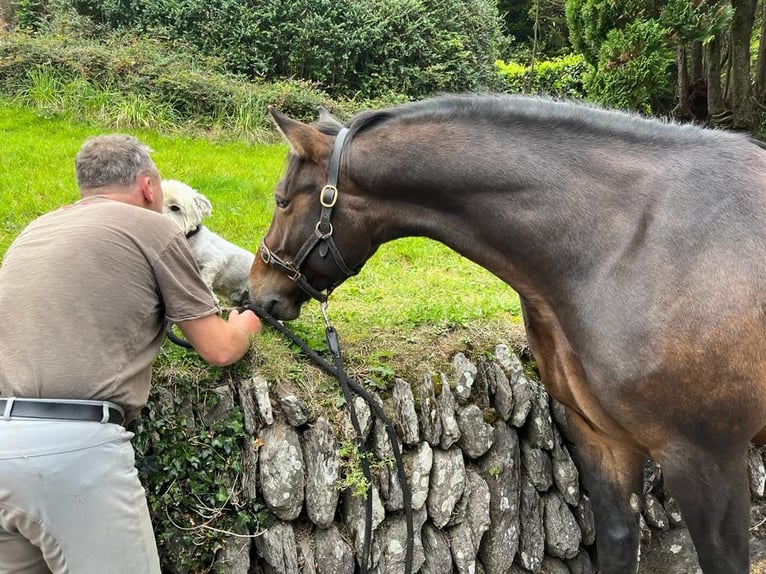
x=71, y=501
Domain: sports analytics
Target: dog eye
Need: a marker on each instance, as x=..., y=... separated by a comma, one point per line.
x=281, y=203
x=175, y=208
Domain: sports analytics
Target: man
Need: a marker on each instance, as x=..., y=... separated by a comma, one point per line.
x=85, y=292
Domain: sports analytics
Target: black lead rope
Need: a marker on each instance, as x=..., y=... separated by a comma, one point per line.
x=333, y=343
x=348, y=385
x=181, y=342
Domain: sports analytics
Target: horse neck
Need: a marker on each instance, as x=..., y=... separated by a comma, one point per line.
x=496, y=202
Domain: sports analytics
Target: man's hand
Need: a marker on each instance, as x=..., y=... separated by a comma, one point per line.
x=247, y=321
x=218, y=341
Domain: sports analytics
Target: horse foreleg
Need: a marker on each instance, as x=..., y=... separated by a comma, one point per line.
x=611, y=474
x=713, y=494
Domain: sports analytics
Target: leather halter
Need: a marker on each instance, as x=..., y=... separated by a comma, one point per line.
x=322, y=236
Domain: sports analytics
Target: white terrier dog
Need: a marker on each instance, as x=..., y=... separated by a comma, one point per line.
x=224, y=266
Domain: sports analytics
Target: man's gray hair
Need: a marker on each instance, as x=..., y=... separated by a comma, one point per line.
x=112, y=161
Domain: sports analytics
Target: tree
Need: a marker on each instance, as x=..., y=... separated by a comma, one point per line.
x=699, y=52
x=541, y=21
x=7, y=14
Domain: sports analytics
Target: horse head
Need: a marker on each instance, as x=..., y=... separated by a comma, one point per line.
x=316, y=239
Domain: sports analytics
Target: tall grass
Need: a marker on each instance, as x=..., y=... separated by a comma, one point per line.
x=413, y=295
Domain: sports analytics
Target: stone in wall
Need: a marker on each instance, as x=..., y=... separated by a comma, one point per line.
x=475, y=434
x=450, y=429
x=539, y=425
x=277, y=548
x=532, y=530
x=429, y=421
x=471, y=523
x=354, y=516
x=388, y=478
x=465, y=374
x=757, y=472
x=406, y=419
x=583, y=514
x=392, y=536
x=500, y=468
x=322, y=465
x=234, y=557
x=436, y=551
x=562, y=534
x=566, y=477
x=281, y=464
x=537, y=466
x=447, y=482
x=294, y=410
x=418, y=464
x=498, y=388
x=524, y=390
x=333, y=555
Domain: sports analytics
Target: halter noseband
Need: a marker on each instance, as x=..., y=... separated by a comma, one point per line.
x=322, y=235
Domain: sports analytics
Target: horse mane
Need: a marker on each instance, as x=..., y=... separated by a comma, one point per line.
x=528, y=110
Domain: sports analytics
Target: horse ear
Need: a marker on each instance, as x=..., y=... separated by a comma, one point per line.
x=305, y=140
x=326, y=116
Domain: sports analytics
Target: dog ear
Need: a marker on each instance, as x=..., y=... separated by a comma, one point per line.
x=203, y=205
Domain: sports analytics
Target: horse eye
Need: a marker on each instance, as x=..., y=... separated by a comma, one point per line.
x=281, y=203
x=175, y=208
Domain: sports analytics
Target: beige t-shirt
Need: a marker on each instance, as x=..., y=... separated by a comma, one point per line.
x=84, y=294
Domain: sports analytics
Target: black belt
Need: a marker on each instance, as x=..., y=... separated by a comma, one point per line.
x=95, y=411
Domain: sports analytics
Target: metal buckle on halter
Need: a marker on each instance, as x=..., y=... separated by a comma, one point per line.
x=265, y=254
x=328, y=201
x=290, y=270
x=293, y=274
x=318, y=232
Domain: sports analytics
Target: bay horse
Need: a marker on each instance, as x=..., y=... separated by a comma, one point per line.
x=637, y=247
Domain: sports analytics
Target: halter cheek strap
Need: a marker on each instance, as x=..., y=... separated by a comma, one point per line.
x=323, y=231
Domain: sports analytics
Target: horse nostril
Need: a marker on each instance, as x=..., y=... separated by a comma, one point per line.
x=269, y=305
x=242, y=299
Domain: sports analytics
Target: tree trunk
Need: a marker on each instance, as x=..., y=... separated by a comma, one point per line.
x=682, y=111
x=715, y=102
x=697, y=99
x=742, y=105
x=760, y=71
x=7, y=14
x=697, y=70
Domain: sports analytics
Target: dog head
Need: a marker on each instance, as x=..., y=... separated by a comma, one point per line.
x=184, y=205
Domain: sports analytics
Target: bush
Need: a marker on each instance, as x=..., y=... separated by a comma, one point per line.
x=560, y=77
x=350, y=48
x=634, y=68
x=127, y=82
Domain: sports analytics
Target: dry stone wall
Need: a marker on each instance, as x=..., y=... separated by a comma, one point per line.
x=494, y=487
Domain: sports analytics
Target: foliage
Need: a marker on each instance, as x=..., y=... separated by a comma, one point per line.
x=520, y=17
x=631, y=46
x=351, y=48
x=192, y=466
x=633, y=68
x=696, y=21
x=560, y=77
x=129, y=82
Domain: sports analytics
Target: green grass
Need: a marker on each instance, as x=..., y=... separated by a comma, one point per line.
x=413, y=303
